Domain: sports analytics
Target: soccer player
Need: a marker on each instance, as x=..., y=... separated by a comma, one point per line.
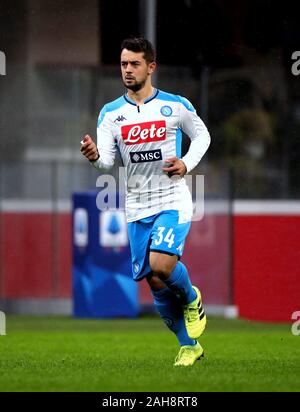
x=145, y=125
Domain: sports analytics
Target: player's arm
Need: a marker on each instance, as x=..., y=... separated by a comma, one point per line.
x=194, y=127
x=102, y=155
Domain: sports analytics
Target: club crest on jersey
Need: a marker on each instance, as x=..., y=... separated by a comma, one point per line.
x=144, y=132
x=147, y=156
x=166, y=111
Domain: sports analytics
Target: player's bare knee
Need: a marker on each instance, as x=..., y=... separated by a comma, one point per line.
x=154, y=282
x=162, y=265
x=161, y=273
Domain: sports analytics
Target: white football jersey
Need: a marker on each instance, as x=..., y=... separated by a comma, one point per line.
x=146, y=136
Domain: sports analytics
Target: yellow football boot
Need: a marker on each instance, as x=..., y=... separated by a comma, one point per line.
x=194, y=316
x=188, y=355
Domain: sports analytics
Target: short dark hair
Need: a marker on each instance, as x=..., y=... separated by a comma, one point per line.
x=140, y=45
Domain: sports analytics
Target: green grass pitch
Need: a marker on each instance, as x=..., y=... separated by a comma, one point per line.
x=65, y=354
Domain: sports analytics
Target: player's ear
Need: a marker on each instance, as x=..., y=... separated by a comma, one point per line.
x=151, y=67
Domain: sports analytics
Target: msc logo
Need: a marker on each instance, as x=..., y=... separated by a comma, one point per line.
x=2, y=64
x=148, y=156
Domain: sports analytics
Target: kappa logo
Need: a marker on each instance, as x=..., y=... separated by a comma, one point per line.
x=144, y=132
x=120, y=119
x=147, y=156
x=180, y=247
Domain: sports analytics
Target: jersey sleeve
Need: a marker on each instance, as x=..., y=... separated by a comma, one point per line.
x=106, y=143
x=194, y=127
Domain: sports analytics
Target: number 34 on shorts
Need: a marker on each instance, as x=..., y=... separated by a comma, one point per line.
x=169, y=239
x=161, y=233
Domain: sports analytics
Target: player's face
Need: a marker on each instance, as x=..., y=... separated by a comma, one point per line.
x=135, y=70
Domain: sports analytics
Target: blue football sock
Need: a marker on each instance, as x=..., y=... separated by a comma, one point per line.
x=179, y=282
x=169, y=307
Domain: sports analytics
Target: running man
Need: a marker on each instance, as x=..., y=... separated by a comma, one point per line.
x=145, y=125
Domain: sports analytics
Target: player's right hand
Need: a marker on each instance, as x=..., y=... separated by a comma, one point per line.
x=89, y=149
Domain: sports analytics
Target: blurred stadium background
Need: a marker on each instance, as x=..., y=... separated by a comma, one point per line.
x=233, y=61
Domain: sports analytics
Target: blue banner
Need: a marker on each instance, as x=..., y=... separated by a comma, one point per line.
x=102, y=276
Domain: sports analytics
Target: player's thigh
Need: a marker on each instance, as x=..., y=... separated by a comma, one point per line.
x=139, y=238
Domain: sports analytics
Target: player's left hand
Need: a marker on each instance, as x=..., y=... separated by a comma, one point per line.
x=177, y=167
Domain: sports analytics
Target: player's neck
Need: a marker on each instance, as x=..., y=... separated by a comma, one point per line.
x=140, y=96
